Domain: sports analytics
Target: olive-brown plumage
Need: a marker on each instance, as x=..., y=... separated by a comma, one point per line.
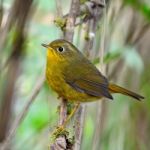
x=75, y=78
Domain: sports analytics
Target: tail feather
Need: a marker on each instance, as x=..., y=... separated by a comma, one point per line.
x=117, y=89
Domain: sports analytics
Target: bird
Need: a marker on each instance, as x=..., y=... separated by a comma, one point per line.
x=75, y=78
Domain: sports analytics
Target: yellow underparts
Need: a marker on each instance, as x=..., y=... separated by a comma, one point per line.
x=56, y=81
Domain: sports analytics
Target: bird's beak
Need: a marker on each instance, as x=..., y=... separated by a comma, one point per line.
x=45, y=45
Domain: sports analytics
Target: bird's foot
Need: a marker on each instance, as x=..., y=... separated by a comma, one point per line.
x=59, y=131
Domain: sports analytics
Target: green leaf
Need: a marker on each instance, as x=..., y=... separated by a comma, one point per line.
x=111, y=56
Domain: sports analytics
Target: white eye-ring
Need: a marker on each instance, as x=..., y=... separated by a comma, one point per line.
x=60, y=49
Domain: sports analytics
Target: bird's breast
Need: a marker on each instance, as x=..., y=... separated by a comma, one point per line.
x=56, y=81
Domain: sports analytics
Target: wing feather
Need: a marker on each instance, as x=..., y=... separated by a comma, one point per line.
x=90, y=87
x=84, y=77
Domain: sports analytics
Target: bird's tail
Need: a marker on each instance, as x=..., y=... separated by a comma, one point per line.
x=117, y=89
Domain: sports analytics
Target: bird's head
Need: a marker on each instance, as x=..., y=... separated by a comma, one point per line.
x=61, y=50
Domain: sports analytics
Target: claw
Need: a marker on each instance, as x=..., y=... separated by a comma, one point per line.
x=60, y=130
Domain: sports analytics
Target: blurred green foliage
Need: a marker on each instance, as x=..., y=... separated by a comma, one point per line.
x=141, y=6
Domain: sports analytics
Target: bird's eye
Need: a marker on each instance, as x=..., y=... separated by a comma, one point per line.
x=60, y=49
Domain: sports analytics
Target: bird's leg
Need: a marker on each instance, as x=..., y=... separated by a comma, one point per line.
x=61, y=128
x=71, y=114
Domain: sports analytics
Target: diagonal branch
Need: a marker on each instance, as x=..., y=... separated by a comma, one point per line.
x=11, y=75
x=22, y=115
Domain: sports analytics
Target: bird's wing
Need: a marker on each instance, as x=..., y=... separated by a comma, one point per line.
x=85, y=77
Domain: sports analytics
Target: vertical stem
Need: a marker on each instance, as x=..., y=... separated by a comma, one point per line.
x=101, y=107
x=79, y=121
x=63, y=111
x=71, y=20
x=59, y=8
x=1, y=11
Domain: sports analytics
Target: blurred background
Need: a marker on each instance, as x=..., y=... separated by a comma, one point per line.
x=28, y=107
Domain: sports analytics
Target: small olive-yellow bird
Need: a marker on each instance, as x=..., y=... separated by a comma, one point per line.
x=75, y=78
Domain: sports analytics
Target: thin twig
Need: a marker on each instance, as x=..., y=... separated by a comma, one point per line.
x=63, y=111
x=79, y=123
x=100, y=106
x=7, y=96
x=22, y=115
x=59, y=8
x=71, y=20
x=100, y=116
x=142, y=31
x=1, y=12
x=17, y=11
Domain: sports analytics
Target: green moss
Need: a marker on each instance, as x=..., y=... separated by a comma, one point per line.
x=60, y=22
x=86, y=37
x=62, y=132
